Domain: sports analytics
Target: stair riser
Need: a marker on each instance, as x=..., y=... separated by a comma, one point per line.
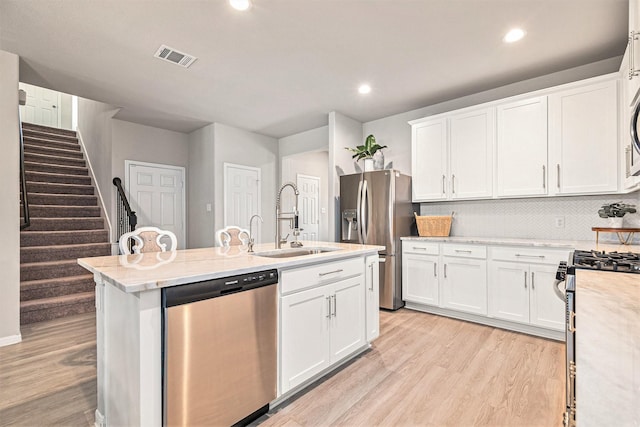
x=64, y=224
x=47, y=129
x=31, y=238
x=67, y=200
x=48, y=135
x=54, y=160
x=52, y=144
x=38, y=272
x=68, y=170
x=52, y=253
x=34, y=293
x=63, y=211
x=37, y=187
x=49, y=151
x=55, y=312
x=58, y=179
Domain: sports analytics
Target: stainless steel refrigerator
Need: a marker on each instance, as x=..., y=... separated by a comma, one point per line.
x=376, y=209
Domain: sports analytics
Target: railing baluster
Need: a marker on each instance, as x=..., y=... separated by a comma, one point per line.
x=24, y=197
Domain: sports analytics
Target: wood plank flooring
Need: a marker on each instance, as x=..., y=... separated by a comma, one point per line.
x=423, y=370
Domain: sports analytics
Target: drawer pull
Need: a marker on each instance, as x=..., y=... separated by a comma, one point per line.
x=329, y=311
x=461, y=251
x=417, y=248
x=525, y=280
x=435, y=269
x=530, y=256
x=331, y=272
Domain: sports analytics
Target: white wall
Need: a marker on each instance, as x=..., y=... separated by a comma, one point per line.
x=311, y=140
x=241, y=147
x=200, y=188
x=395, y=132
x=9, y=194
x=94, y=129
x=343, y=132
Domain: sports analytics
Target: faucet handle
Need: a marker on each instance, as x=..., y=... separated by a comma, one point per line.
x=284, y=239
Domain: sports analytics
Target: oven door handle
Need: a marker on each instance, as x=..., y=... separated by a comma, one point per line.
x=559, y=292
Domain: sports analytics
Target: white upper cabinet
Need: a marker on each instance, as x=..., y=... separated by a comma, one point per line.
x=521, y=148
x=429, y=160
x=471, y=141
x=583, y=134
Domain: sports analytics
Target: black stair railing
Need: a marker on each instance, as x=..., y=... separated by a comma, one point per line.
x=24, y=197
x=127, y=219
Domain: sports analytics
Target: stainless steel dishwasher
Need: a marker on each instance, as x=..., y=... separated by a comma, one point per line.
x=219, y=350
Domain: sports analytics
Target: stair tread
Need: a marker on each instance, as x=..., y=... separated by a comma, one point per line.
x=67, y=195
x=55, y=184
x=50, y=138
x=67, y=246
x=57, y=301
x=56, y=280
x=53, y=157
x=63, y=232
x=49, y=263
x=36, y=126
x=30, y=163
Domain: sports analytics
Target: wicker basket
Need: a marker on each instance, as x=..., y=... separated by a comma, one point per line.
x=433, y=226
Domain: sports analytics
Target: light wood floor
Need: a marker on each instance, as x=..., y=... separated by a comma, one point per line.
x=423, y=370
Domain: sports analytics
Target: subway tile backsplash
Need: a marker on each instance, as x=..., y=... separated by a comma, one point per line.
x=534, y=218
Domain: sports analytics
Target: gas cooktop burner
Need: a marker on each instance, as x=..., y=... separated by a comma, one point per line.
x=625, y=262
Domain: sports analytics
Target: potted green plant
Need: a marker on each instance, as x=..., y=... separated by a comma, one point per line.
x=367, y=151
x=615, y=212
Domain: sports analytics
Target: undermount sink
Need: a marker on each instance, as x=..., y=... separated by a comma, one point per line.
x=293, y=252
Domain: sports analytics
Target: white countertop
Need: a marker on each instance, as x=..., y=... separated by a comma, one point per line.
x=607, y=348
x=542, y=243
x=135, y=273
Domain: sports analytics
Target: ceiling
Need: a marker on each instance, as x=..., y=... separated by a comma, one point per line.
x=282, y=66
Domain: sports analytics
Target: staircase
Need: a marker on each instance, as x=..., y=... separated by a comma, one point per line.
x=66, y=224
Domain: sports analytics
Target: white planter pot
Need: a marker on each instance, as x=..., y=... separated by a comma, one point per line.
x=615, y=222
x=368, y=165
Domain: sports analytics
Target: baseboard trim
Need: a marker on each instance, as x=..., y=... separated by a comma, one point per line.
x=489, y=321
x=11, y=339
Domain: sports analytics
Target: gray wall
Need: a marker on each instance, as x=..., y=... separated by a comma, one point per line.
x=9, y=194
x=200, y=189
x=311, y=140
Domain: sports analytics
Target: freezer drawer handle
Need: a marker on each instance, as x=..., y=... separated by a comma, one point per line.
x=331, y=272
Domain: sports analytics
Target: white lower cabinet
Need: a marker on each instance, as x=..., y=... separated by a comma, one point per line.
x=464, y=284
x=523, y=291
x=420, y=273
x=319, y=327
x=372, y=304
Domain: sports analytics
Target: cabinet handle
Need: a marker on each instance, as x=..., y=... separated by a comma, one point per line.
x=460, y=251
x=533, y=277
x=335, y=305
x=627, y=161
x=443, y=184
x=453, y=184
x=331, y=272
x=558, y=168
x=417, y=248
x=525, y=280
x=530, y=256
x=544, y=176
x=329, y=311
x=445, y=271
x=435, y=269
x=633, y=36
x=371, y=266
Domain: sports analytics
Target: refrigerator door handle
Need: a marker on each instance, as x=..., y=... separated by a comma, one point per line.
x=358, y=213
x=366, y=210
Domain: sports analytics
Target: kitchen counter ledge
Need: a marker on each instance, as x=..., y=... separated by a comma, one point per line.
x=140, y=272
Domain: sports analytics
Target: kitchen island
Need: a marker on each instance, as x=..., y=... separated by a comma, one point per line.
x=129, y=317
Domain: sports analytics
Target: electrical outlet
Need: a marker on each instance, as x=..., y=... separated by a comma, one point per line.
x=559, y=222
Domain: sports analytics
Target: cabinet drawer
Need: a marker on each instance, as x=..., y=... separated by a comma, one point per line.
x=529, y=255
x=415, y=247
x=307, y=277
x=465, y=251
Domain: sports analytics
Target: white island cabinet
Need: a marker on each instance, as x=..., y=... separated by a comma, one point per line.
x=326, y=318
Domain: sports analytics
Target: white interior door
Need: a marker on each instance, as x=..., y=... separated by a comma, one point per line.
x=241, y=196
x=42, y=107
x=156, y=194
x=309, y=199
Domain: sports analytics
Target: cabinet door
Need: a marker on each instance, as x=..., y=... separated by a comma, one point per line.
x=372, y=297
x=546, y=309
x=509, y=291
x=347, y=317
x=420, y=278
x=464, y=284
x=634, y=25
x=304, y=336
x=471, y=141
x=429, y=160
x=521, y=148
x=583, y=138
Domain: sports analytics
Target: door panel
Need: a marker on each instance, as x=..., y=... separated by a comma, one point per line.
x=242, y=196
x=508, y=291
x=347, y=322
x=420, y=279
x=546, y=308
x=309, y=218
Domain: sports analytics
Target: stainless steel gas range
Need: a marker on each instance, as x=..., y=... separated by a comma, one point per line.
x=622, y=262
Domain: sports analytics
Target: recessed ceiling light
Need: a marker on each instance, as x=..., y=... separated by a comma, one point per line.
x=514, y=35
x=364, y=89
x=240, y=4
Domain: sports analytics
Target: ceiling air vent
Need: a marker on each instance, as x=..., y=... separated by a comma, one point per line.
x=169, y=54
